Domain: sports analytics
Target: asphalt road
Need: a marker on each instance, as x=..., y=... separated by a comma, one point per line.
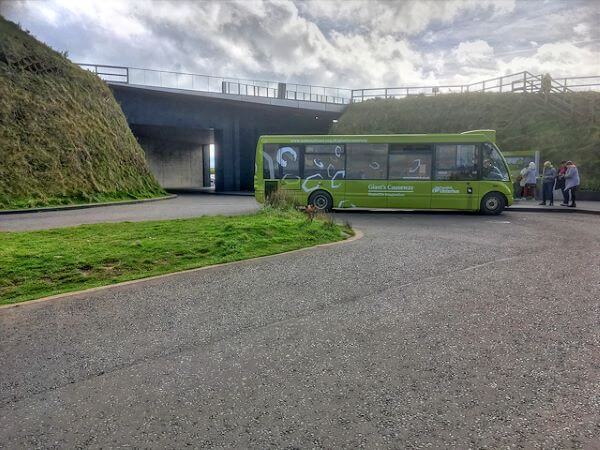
x=183, y=206
x=434, y=330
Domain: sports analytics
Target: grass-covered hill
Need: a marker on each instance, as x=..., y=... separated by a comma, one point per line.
x=63, y=137
x=522, y=122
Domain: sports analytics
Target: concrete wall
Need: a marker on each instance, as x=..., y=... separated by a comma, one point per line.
x=176, y=165
x=235, y=126
x=175, y=154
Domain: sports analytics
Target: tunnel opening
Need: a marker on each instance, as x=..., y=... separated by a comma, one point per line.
x=181, y=158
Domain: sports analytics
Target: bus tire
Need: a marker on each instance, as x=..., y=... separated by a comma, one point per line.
x=321, y=200
x=492, y=203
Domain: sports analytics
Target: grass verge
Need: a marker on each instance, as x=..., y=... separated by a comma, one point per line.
x=36, y=264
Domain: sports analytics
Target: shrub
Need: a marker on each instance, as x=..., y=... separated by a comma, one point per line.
x=326, y=218
x=282, y=199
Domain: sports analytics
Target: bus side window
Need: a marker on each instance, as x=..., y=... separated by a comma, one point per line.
x=410, y=162
x=288, y=158
x=456, y=162
x=281, y=161
x=324, y=161
x=366, y=161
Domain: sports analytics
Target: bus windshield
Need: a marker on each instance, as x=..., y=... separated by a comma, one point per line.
x=493, y=167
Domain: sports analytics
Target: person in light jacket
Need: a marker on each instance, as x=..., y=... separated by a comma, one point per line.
x=548, y=180
x=530, y=177
x=571, y=183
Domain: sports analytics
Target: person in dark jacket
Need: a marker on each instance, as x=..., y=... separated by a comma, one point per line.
x=572, y=182
x=548, y=180
x=560, y=180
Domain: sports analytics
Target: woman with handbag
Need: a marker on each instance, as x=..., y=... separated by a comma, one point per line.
x=560, y=180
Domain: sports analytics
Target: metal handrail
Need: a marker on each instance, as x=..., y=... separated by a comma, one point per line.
x=223, y=85
x=517, y=82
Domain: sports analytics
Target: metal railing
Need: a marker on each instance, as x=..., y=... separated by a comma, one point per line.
x=518, y=82
x=222, y=85
x=591, y=83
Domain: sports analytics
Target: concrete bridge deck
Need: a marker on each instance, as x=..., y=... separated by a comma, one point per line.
x=280, y=102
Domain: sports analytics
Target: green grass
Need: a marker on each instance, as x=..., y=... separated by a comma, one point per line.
x=77, y=199
x=35, y=264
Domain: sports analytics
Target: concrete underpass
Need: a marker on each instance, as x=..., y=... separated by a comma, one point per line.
x=176, y=127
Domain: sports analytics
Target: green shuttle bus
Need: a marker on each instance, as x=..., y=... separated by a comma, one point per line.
x=463, y=171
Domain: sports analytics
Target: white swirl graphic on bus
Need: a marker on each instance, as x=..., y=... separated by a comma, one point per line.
x=316, y=176
x=282, y=151
x=341, y=174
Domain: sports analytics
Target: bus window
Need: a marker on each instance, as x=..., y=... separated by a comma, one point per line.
x=281, y=161
x=456, y=162
x=493, y=167
x=366, y=161
x=410, y=162
x=324, y=161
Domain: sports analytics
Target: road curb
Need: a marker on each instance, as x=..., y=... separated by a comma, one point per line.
x=211, y=192
x=550, y=210
x=84, y=205
x=356, y=236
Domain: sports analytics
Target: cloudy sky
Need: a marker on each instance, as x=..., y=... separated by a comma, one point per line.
x=349, y=43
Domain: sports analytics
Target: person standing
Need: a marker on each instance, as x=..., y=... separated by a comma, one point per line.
x=530, y=180
x=571, y=183
x=560, y=180
x=548, y=179
x=521, y=182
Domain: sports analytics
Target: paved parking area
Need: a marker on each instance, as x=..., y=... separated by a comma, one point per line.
x=433, y=330
x=183, y=206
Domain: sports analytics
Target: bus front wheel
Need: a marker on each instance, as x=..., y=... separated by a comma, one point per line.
x=493, y=203
x=321, y=200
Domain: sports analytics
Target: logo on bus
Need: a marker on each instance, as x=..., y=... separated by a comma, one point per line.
x=388, y=190
x=444, y=190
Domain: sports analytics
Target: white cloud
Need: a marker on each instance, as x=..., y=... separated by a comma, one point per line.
x=582, y=29
x=403, y=17
x=473, y=53
x=341, y=43
x=560, y=59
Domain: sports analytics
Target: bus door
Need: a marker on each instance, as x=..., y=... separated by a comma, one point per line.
x=454, y=184
x=409, y=176
x=366, y=176
x=282, y=162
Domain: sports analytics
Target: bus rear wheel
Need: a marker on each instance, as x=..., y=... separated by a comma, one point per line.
x=492, y=203
x=321, y=200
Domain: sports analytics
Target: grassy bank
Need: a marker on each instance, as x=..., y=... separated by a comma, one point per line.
x=63, y=137
x=521, y=122
x=80, y=199
x=35, y=264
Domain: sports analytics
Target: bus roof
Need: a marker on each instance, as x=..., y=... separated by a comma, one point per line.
x=465, y=137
